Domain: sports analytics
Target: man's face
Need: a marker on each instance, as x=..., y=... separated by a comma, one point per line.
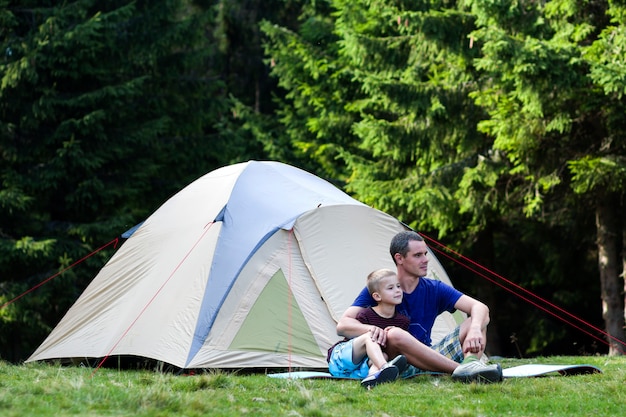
x=416, y=260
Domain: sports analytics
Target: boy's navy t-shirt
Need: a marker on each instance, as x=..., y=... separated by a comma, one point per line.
x=430, y=298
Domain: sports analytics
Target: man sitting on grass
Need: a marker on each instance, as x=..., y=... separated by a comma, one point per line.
x=424, y=299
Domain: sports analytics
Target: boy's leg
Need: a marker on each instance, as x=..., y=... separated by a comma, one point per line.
x=359, y=350
x=341, y=363
x=380, y=371
x=375, y=354
x=363, y=346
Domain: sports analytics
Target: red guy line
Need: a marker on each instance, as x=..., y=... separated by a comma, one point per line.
x=143, y=310
x=529, y=301
x=525, y=291
x=114, y=242
x=290, y=301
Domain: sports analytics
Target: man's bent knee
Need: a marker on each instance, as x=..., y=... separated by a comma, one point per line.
x=398, y=338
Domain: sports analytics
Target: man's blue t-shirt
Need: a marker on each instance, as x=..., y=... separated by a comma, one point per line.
x=429, y=299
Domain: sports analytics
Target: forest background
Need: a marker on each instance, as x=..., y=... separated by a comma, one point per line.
x=494, y=126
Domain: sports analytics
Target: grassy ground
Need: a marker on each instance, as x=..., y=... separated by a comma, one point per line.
x=51, y=390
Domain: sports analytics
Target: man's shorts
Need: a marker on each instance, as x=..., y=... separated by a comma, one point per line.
x=449, y=346
x=341, y=365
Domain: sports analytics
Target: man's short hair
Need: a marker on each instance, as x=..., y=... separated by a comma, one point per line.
x=400, y=243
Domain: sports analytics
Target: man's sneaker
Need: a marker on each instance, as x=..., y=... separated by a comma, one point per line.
x=477, y=371
x=399, y=362
x=409, y=372
x=386, y=374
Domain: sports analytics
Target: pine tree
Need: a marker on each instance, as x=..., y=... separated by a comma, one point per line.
x=383, y=88
x=106, y=109
x=555, y=103
x=381, y=101
x=310, y=124
x=446, y=115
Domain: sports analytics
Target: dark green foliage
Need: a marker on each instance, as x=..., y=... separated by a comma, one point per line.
x=106, y=109
x=304, y=60
x=475, y=120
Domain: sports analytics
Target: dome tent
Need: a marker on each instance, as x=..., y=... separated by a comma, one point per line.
x=249, y=266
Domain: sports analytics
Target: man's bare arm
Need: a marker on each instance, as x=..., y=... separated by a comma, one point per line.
x=348, y=326
x=474, y=341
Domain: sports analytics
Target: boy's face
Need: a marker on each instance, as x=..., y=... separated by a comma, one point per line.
x=389, y=291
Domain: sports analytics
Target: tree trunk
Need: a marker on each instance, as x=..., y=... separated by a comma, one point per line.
x=485, y=255
x=623, y=275
x=612, y=308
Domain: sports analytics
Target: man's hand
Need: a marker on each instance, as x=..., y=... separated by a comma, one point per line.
x=474, y=342
x=378, y=335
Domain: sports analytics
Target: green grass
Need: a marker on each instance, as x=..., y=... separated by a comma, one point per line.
x=52, y=390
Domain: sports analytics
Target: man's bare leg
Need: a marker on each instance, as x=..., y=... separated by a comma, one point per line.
x=423, y=357
x=417, y=353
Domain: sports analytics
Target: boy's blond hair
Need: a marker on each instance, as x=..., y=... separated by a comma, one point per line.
x=374, y=278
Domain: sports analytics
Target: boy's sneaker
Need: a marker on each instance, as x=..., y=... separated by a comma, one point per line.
x=475, y=370
x=399, y=362
x=386, y=374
